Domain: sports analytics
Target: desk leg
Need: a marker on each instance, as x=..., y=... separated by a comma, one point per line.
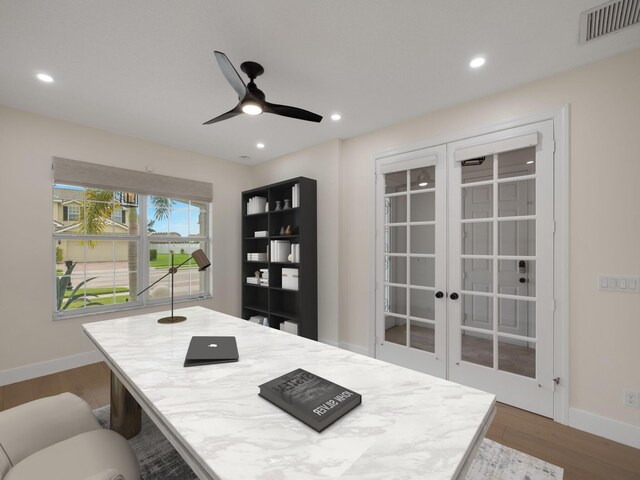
x=126, y=415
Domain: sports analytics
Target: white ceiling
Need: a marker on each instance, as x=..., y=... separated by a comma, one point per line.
x=145, y=68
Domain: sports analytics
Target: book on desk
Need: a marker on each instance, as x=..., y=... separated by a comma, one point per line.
x=310, y=398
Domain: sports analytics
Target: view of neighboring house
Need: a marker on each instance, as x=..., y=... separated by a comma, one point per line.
x=67, y=220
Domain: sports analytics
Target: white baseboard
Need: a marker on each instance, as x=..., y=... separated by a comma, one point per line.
x=605, y=427
x=18, y=374
x=355, y=348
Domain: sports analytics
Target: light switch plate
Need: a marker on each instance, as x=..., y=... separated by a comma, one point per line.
x=619, y=283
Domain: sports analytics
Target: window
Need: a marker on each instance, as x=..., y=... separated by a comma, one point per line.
x=109, y=245
x=71, y=213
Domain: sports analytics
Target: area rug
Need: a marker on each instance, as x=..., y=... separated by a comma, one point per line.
x=159, y=460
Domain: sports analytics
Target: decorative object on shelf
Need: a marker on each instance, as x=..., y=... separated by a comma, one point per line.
x=289, y=327
x=203, y=263
x=257, y=274
x=290, y=257
x=290, y=278
x=278, y=207
x=288, y=230
x=287, y=204
x=282, y=230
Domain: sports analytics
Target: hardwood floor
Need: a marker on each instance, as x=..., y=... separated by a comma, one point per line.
x=511, y=358
x=582, y=455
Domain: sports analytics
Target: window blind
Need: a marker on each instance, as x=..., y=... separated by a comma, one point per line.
x=505, y=145
x=93, y=175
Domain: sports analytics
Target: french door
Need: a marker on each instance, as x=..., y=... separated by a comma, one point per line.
x=464, y=286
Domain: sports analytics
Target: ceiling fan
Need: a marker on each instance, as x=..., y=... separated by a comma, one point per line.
x=251, y=98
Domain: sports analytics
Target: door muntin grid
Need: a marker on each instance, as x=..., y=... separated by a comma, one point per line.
x=498, y=261
x=409, y=258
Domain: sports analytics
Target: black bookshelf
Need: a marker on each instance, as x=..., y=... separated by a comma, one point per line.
x=276, y=303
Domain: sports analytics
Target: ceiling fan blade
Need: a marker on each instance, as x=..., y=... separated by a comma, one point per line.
x=230, y=114
x=231, y=74
x=293, y=112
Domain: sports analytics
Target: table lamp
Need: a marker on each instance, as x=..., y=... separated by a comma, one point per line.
x=203, y=263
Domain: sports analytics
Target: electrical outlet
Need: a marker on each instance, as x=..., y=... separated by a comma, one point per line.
x=630, y=398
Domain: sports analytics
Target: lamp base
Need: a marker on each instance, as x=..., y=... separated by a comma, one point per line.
x=174, y=319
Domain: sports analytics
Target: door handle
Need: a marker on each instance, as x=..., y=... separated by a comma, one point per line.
x=453, y=296
x=439, y=294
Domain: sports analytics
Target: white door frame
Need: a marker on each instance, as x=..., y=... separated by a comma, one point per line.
x=560, y=117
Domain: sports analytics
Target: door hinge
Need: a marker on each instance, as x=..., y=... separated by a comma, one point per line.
x=553, y=146
x=553, y=305
x=554, y=226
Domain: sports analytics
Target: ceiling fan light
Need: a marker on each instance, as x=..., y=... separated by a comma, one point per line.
x=423, y=184
x=251, y=108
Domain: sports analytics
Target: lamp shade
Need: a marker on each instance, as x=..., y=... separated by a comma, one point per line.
x=201, y=259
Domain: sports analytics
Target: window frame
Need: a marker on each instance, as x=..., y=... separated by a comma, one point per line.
x=143, y=240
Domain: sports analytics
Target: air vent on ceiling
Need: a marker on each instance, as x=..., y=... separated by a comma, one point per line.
x=608, y=18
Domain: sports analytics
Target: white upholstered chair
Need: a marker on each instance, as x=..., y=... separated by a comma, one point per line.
x=58, y=438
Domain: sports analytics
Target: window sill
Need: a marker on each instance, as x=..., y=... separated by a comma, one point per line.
x=134, y=306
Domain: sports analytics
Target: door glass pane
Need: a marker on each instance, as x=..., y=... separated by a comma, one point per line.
x=514, y=279
x=517, y=198
x=477, y=311
x=395, y=330
x=423, y=207
x=517, y=317
x=477, y=202
x=477, y=275
x=423, y=271
x=396, y=269
x=395, y=209
x=422, y=178
x=395, y=182
x=422, y=304
x=517, y=237
x=477, y=238
x=395, y=300
x=478, y=173
x=423, y=239
x=517, y=357
x=477, y=348
x=517, y=162
x=422, y=336
x=395, y=239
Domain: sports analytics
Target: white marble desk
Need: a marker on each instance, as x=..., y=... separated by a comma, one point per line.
x=409, y=426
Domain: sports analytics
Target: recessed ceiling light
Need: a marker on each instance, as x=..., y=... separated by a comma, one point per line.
x=43, y=77
x=477, y=62
x=529, y=162
x=335, y=117
x=260, y=145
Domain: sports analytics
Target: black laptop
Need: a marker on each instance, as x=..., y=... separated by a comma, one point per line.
x=206, y=350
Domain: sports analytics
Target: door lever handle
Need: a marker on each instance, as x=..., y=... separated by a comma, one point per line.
x=453, y=296
x=439, y=294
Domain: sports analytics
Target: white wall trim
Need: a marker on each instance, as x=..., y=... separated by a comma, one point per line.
x=605, y=427
x=355, y=348
x=561, y=266
x=18, y=374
